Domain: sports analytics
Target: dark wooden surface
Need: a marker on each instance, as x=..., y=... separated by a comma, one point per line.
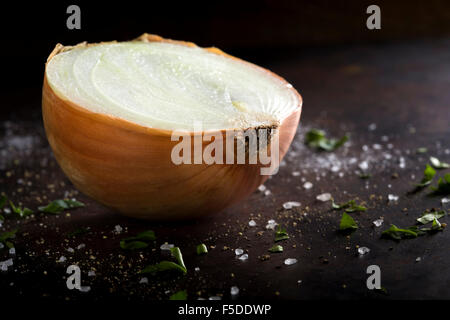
x=402, y=88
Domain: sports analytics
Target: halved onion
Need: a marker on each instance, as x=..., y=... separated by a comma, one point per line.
x=110, y=111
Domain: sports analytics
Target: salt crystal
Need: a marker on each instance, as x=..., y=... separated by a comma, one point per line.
x=324, y=197
x=290, y=261
x=252, y=223
x=363, y=250
x=234, y=291
x=85, y=289
x=12, y=251
x=418, y=259
x=70, y=249
x=1, y=245
x=118, y=229
x=81, y=246
x=166, y=246
x=387, y=156
x=295, y=173
x=215, y=298
x=445, y=200
x=267, y=192
x=341, y=174
x=271, y=224
x=384, y=138
x=243, y=257
x=91, y=273
x=5, y=264
x=352, y=160
x=143, y=280
x=376, y=146
x=390, y=146
x=372, y=126
x=291, y=204
x=299, y=281
x=62, y=259
x=392, y=197
x=363, y=165
x=335, y=168
x=262, y=188
x=238, y=251
x=401, y=162
x=365, y=148
x=378, y=222
x=197, y=269
x=307, y=185
x=7, y=210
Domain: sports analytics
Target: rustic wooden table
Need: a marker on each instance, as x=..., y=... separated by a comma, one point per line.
x=390, y=98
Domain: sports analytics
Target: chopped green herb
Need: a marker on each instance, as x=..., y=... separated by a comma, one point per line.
x=2, y=201
x=428, y=176
x=431, y=216
x=397, y=234
x=202, y=249
x=168, y=265
x=2, y=218
x=180, y=295
x=347, y=223
x=349, y=206
x=364, y=176
x=317, y=139
x=443, y=186
x=58, y=206
x=78, y=232
x=140, y=241
x=6, y=236
x=435, y=162
x=281, y=234
x=21, y=212
x=163, y=266
x=276, y=248
x=421, y=150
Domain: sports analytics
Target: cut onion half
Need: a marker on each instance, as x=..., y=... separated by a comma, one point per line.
x=111, y=110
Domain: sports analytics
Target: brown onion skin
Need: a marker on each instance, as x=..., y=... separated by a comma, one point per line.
x=127, y=167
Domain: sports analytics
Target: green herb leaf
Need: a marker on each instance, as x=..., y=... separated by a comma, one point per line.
x=421, y=150
x=349, y=206
x=431, y=216
x=276, y=248
x=364, y=176
x=347, y=223
x=202, y=249
x=435, y=162
x=176, y=252
x=58, y=206
x=7, y=235
x=2, y=218
x=163, y=266
x=281, y=234
x=21, y=212
x=2, y=201
x=396, y=233
x=140, y=241
x=317, y=139
x=428, y=176
x=180, y=295
x=78, y=232
x=443, y=186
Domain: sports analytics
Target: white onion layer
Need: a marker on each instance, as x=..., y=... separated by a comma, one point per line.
x=170, y=86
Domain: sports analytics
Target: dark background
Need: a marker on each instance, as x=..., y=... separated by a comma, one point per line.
x=255, y=30
x=397, y=77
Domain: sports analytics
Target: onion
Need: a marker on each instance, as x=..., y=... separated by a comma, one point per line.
x=117, y=113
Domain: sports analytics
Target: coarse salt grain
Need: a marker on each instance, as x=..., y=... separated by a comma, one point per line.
x=243, y=257
x=252, y=223
x=238, y=251
x=234, y=291
x=290, y=261
x=307, y=185
x=166, y=246
x=290, y=205
x=324, y=197
x=378, y=222
x=363, y=250
x=392, y=197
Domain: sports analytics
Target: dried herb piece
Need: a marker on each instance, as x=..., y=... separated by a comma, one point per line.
x=276, y=248
x=281, y=234
x=202, y=249
x=21, y=212
x=140, y=241
x=2, y=201
x=428, y=217
x=428, y=176
x=443, y=187
x=396, y=233
x=347, y=223
x=349, y=206
x=168, y=265
x=58, y=206
x=6, y=236
x=317, y=139
x=180, y=295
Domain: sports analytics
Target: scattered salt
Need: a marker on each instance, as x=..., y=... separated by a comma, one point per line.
x=215, y=298
x=307, y=185
x=118, y=229
x=418, y=259
x=295, y=173
x=243, y=257
x=267, y=192
x=143, y=280
x=70, y=250
x=363, y=250
x=1, y=245
x=372, y=126
x=445, y=200
x=378, y=222
x=335, y=168
x=166, y=246
x=290, y=261
x=12, y=251
x=290, y=205
x=81, y=246
x=197, y=269
x=62, y=259
x=392, y=197
x=238, y=251
x=234, y=291
x=252, y=223
x=363, y=165
x=85, y=289
x=324, y=197
x=91, y=273
x=271, y=224
x=262, y=188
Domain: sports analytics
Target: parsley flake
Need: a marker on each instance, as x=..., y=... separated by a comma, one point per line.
x=317, y=139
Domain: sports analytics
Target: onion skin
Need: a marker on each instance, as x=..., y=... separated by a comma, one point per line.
x=128, y=167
